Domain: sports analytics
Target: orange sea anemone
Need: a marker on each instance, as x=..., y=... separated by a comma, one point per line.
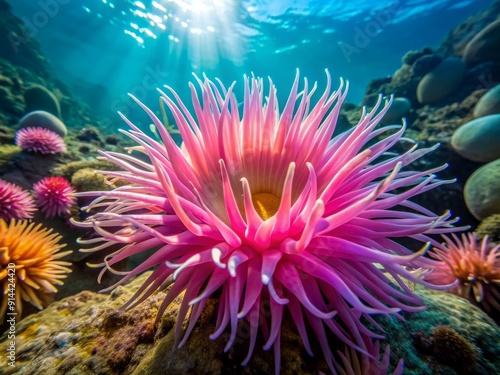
x=29, y=265
x=474, y=266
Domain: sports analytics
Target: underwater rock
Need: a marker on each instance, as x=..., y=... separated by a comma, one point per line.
x=412, y=56
x=39, y=98
x=489, y=227
x=87, y=180
x=45, y=120
x=484, y=46
x=11, y=104
x=479, y=139
x=489, y=104
x=425, y=64
x=458, y=38
x=7, y=153
x=112, y=139
x=22, y=64
x=441, y=81
x=402, y=84
x=6, y=135
x=482, y=191
x=88, y=333
x=398, y=109
x=450, y=348
x=6, y=100
x=91, y=135
x=26, y=168
x=68, y=170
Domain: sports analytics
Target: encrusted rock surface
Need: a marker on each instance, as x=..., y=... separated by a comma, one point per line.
x=89, y=334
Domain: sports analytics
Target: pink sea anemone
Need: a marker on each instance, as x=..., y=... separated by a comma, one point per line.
x=40, y=140
x=475, y=266
x=54, y=196
x=272, y=213
x=15, y=203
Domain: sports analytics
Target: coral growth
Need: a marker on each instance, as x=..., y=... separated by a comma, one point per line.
x=449, y=348
x=452, y=349
x=29, y=259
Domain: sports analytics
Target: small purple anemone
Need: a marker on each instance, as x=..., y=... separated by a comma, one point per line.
x=270, y=210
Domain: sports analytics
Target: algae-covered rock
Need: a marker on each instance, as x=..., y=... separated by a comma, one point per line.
x=45, y=120
x=489, y=227
x=482, y=191
x=38, y=97
x=7, y=152
x=87, y=180
x=441, y=81
x=479, y=139
x=489, y=103
x=67, y=170
x=485, y=45
x=88, y=334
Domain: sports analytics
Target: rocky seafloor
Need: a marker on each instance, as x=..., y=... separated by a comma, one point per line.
x=88, y=333
x=83, y=332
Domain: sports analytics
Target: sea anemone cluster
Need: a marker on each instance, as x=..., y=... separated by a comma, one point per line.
x=15, y=203
x=33, y=252
x=40, y=140
x=270, y=210
x=474, y=265
x=54, y=196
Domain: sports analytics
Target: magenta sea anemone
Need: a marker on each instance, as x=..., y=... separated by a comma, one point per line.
x=40, y=140
x=269, y=210
x=476, y=267
x=15, y=203
x=54, y=196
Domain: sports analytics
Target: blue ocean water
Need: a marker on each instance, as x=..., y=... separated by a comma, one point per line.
x=105, y=48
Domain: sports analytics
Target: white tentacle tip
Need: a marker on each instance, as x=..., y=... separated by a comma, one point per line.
x=265, y=279
x=216, y=257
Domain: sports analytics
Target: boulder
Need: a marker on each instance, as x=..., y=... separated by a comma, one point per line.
x=441, y=81
x=482, y=191
x=425, y=64
x=38, y=97
x=488, y=104
x=44, y=120
x=398, y=109
x=479, y=139
x=484, y=46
